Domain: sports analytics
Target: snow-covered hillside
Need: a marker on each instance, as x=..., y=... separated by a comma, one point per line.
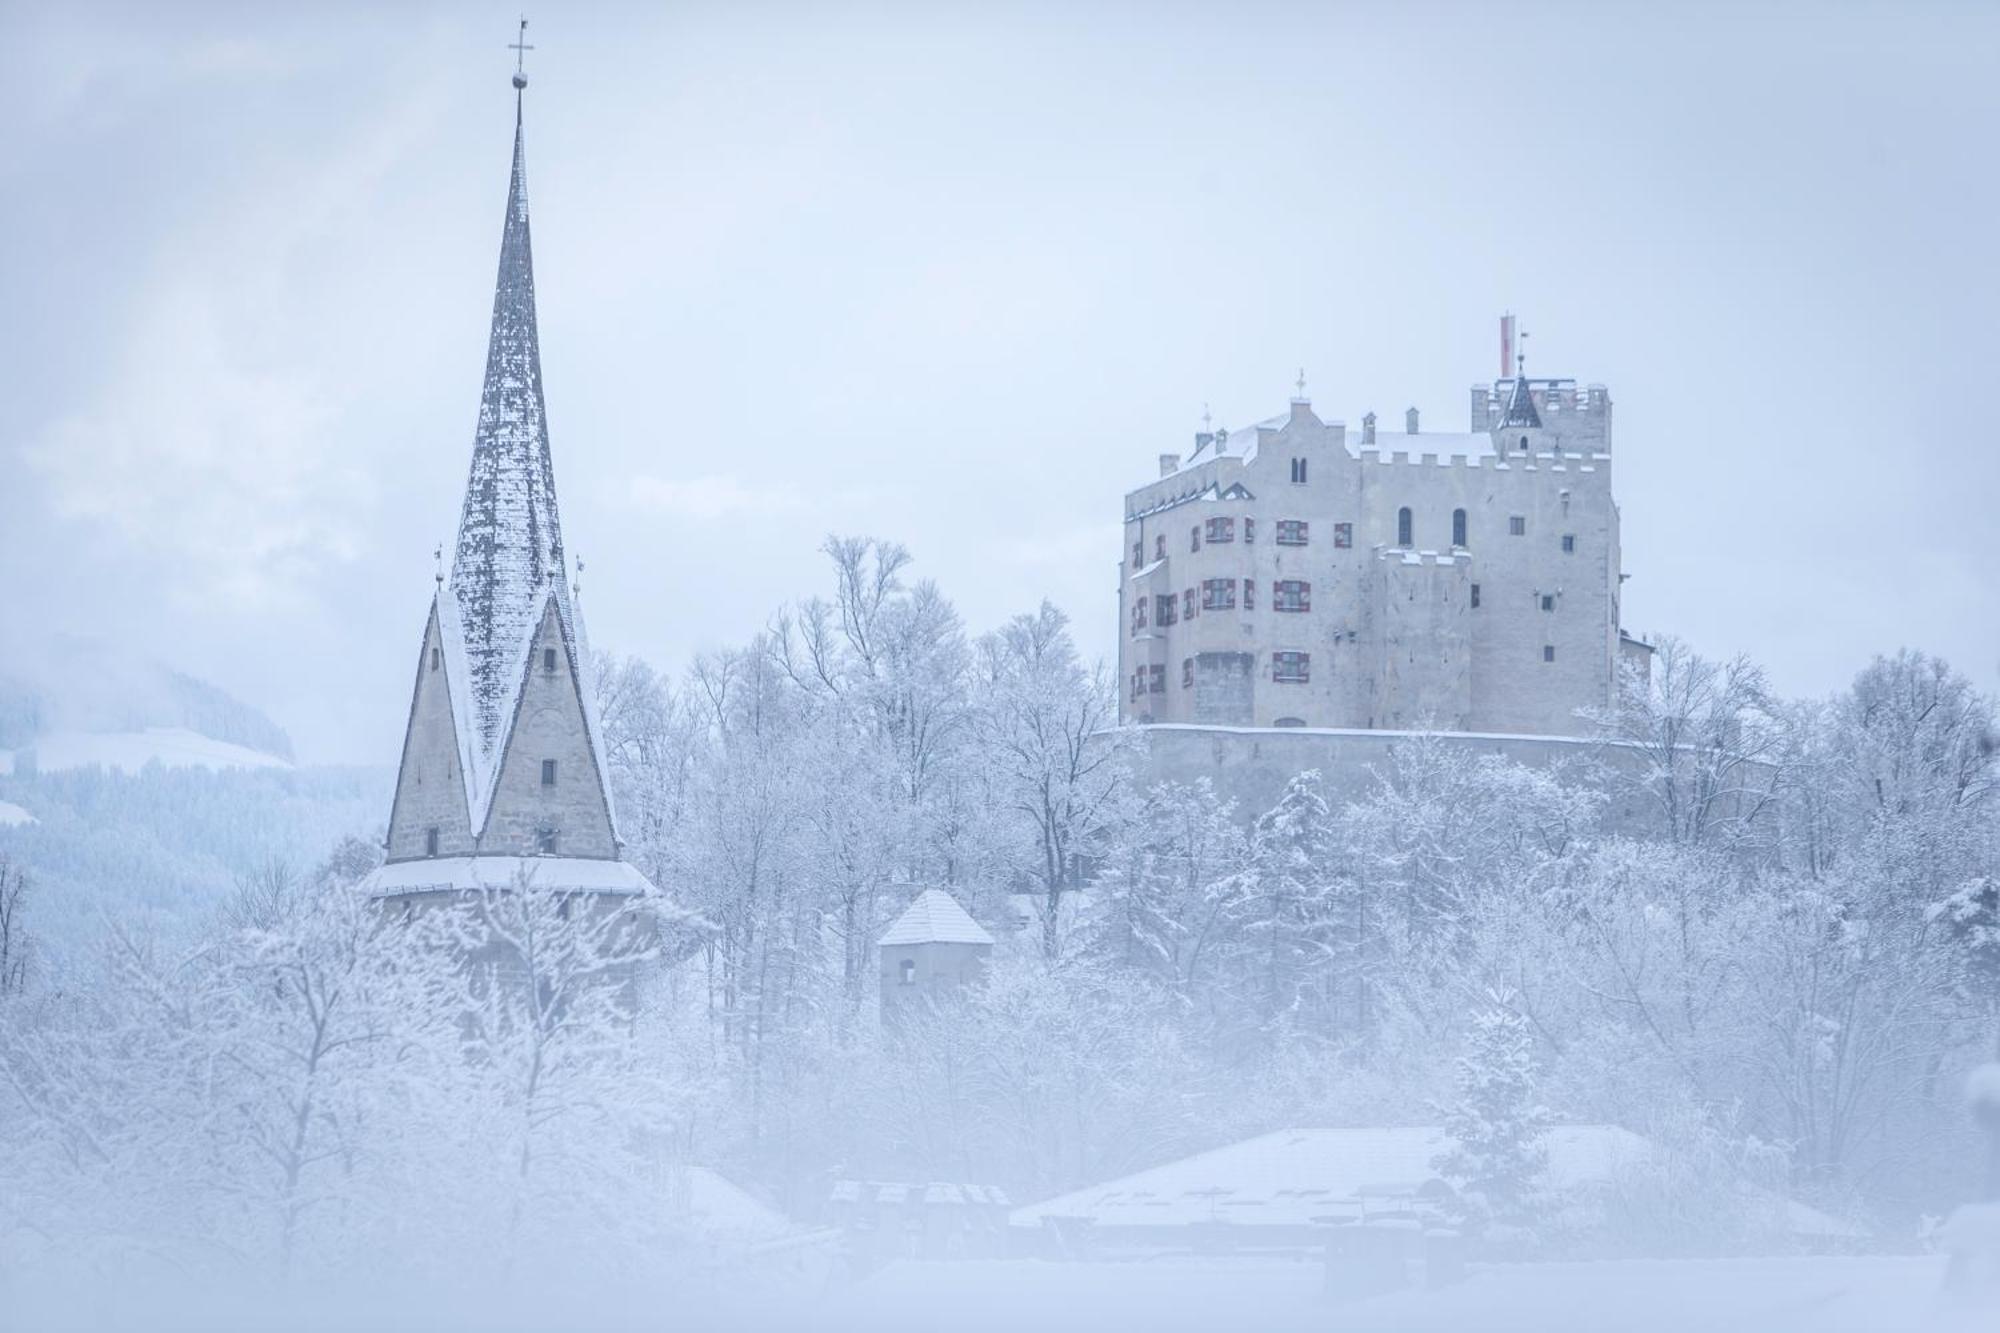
x=130, y=751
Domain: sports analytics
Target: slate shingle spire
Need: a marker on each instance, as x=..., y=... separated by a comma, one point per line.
x=509, y=549
x=1521, y=406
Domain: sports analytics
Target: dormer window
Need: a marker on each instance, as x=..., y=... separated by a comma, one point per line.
x=548, y=659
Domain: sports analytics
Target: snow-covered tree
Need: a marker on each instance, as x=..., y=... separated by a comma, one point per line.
x=1497, y=1124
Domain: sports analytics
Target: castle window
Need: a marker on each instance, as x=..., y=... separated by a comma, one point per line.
x=1517, y=525
x=545, y=841
x=1298, y=471
x=548, y=659
x=1548, y=652
x=1458, y=527
x=1289, y=722
x=1404, y=527
x=1569, y=543
x=1187, y=604
x=1138, y=615
x=548, y=772
x=1548, y=601
x=1524, y=444
x=1187, y=673
x=1194, y=538
x=908, y=972
x=1160, y=547
x=1291, y=668
x=1343, y=535
x=1475, y=596
x=1218, y=594
x=1220, y=530
x=1291, y=532
x=1291, y=595
x=437, y=659
x=431, y=841
x=1165, y=609
x=1249, y=594
x=1249, y=531
x=1138, y=554
x=1138, y=682
x=1156, y=679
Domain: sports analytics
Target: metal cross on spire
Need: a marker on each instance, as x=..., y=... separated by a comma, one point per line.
x=1302, y=382
x=1205, y=419
x=1521, y=357
x=519, y=46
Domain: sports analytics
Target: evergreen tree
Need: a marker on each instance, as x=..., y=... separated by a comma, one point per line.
x=1498, y=1125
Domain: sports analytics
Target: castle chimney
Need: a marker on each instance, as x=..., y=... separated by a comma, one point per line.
x=1367, y=430
x=1506, y=347
x=1410, y=421
x=1169, y=464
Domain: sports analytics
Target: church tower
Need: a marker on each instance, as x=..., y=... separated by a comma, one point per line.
x=503, y=767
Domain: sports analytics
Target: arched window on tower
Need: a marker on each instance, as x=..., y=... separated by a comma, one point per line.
x=1458, y=527
x=1403, y=527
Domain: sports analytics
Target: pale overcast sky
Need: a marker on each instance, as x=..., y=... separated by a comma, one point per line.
x=956, y=275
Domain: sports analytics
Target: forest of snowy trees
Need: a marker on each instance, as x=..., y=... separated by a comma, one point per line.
x=1779, y=964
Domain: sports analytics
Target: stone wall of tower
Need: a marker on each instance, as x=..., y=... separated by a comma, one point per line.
x=549, y=726
x=1539, y=544
x=430, y=789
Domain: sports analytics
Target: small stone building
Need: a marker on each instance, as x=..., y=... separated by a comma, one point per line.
x=933, y=948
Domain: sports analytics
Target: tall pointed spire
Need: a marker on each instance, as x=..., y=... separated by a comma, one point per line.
x=509, y=536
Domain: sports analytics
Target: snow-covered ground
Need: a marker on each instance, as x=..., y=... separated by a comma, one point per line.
x=130, y=751
x=12, y=816
x=1823, y=1295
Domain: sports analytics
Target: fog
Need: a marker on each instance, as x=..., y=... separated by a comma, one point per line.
x=842, y=933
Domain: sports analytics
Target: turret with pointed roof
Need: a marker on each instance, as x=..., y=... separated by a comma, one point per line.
x=503, y=767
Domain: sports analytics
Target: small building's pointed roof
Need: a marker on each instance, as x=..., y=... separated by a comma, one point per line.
x=509, y=552
x=1521, y=406
x=935, y=918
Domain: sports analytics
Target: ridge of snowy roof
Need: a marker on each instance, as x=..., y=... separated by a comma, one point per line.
x=935, y=918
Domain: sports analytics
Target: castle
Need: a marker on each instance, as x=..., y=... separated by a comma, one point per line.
x=503, y=773
x=1296, y=574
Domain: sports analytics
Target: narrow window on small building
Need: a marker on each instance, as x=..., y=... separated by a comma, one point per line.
x=1548, y=601
x=1458, y=527
x=1517, y=525
x=1475, y=596
x=909, y=972
x=1569, y=543
x=548, y=659
x=548, y=772
x=431, y=841
x=1548, y=652
x=1524, y=444
x=437, y=659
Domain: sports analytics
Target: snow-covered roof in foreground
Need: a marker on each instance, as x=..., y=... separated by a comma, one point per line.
x=717, y=1206
x=936, y=918
x=449, y=873
x=1294, y=1176
x=12, y=815
x=130, y=751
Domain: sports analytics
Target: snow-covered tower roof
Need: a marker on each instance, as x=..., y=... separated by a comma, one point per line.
x=935, y=918
x=509, y=552
x=503, y=759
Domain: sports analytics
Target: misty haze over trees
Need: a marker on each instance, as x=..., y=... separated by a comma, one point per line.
x=1766, y=938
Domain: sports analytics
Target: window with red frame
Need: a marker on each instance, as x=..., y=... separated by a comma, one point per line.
x=1249, y=531
x=1343, y=535
x=1138, y=615
x=1218, y=594
x=1156, y=679
x=1291, y=595
x=1219, y=530
x=1166, y=608
x=1291, y=668
x=1291, y=532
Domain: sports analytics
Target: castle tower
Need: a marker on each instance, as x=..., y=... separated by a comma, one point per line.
x=933, y=948
x=503, y=769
